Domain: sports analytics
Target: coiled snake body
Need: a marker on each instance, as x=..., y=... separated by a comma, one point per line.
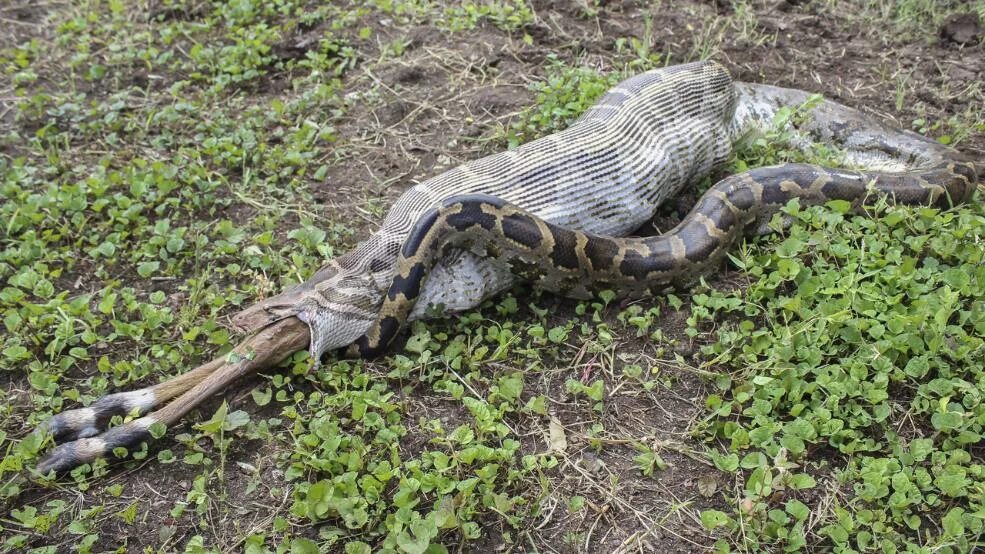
x=550, y=211
x=553, y=211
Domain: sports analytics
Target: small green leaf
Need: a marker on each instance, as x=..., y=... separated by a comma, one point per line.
x=840, y=206
x=262, y=397
x=713, y=519
x=157, y=429
x=728, y=462
x=303, y=546
x=146, y=269
x=802, y=481
x=953, y=523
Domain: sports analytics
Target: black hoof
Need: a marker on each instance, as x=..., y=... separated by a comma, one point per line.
x=62, y=459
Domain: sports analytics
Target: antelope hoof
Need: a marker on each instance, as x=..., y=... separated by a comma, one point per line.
x=80, y=423
x=83, y=451
x=71, y=455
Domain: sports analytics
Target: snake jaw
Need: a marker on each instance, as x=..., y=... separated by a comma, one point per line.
x=317, y=345
x=293, y=303
x=331, y=329
x=337, y=307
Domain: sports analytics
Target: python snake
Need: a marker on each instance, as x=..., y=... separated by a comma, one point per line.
x=554, y=212
x=550, y=211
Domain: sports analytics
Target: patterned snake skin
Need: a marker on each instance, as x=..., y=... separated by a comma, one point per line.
x=550, y=211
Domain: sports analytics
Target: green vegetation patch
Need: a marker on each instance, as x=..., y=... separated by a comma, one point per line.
x=854, y=361
x=856, y=365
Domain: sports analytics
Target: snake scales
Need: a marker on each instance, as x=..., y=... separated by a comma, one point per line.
x=602, y=178
x=552, y=212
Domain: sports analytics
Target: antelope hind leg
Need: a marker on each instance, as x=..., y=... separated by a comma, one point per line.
x=80, y=423
x=266, y=348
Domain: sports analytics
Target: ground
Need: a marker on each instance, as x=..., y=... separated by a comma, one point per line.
x=168, y=162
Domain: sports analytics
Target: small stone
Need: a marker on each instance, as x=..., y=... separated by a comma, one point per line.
x=685, y=349
x=245, y=468
x=962, y=28
x=591, y=463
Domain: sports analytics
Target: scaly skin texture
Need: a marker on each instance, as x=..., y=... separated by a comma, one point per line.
x=606, y=174
x=644, y=141
x=579, y=265
x=553, y=209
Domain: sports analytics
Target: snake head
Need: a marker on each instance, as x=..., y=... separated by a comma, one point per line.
x=286, y=304
x=342, y=311
x=338, y=307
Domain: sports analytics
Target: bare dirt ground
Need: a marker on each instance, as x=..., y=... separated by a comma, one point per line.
x=439, y=104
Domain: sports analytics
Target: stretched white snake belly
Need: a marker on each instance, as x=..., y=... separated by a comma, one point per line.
x=554, y=212
x=605, y=175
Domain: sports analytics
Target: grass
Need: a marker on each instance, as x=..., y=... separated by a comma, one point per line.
x=854, y=354
x=919, y=19
x=165, y=163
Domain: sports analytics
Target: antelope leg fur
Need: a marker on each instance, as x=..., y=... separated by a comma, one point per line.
x=266, y=348
x=642, y=142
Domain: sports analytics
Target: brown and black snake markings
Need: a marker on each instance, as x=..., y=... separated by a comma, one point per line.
x=552, y=212
x=579, y=264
